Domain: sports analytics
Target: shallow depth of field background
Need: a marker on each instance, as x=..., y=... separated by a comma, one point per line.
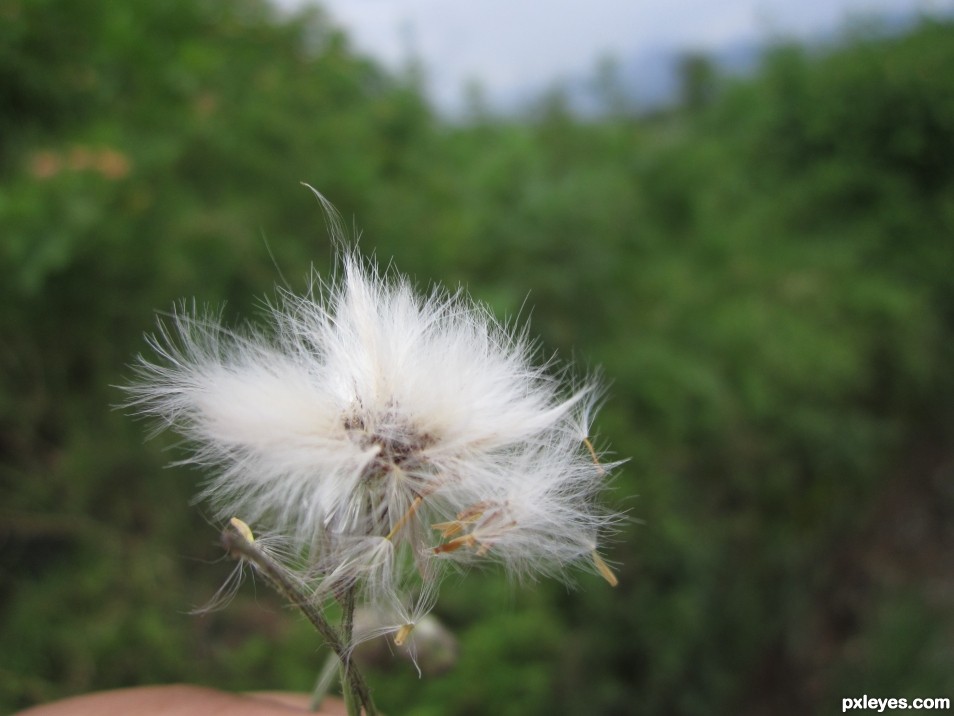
x=765, y=272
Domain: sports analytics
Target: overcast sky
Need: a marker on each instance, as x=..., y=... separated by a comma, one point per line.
x=514, y=45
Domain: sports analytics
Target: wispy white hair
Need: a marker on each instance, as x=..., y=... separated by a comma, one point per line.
x=370, y=415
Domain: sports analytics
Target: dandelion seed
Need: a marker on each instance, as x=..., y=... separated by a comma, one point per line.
x=402, y=616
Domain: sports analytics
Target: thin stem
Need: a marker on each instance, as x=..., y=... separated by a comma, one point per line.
x=347, y=630
x=347, y=615
x=238, y=546
x=352, y=708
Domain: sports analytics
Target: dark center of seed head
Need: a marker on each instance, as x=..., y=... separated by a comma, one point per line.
x=398, y=446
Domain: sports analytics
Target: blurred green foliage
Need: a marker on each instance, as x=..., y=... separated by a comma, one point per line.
x=766, y=276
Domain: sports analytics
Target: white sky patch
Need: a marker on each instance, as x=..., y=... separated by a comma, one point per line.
x=513, y=45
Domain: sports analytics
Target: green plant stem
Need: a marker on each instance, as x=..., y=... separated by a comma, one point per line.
x=347, y=630
x=241, y=548
x=351, y=706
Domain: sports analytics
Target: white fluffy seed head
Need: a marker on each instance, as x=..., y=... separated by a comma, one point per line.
x=369, y=413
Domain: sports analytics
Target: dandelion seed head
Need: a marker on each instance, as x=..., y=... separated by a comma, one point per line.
x=369, y=412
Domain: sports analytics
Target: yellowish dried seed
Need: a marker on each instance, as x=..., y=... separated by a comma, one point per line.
x=456, y=544
x=596, y=459
x=448, y=529
x=243, y=529
x=402, y=634
x=604, y=569
x=407, y=515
